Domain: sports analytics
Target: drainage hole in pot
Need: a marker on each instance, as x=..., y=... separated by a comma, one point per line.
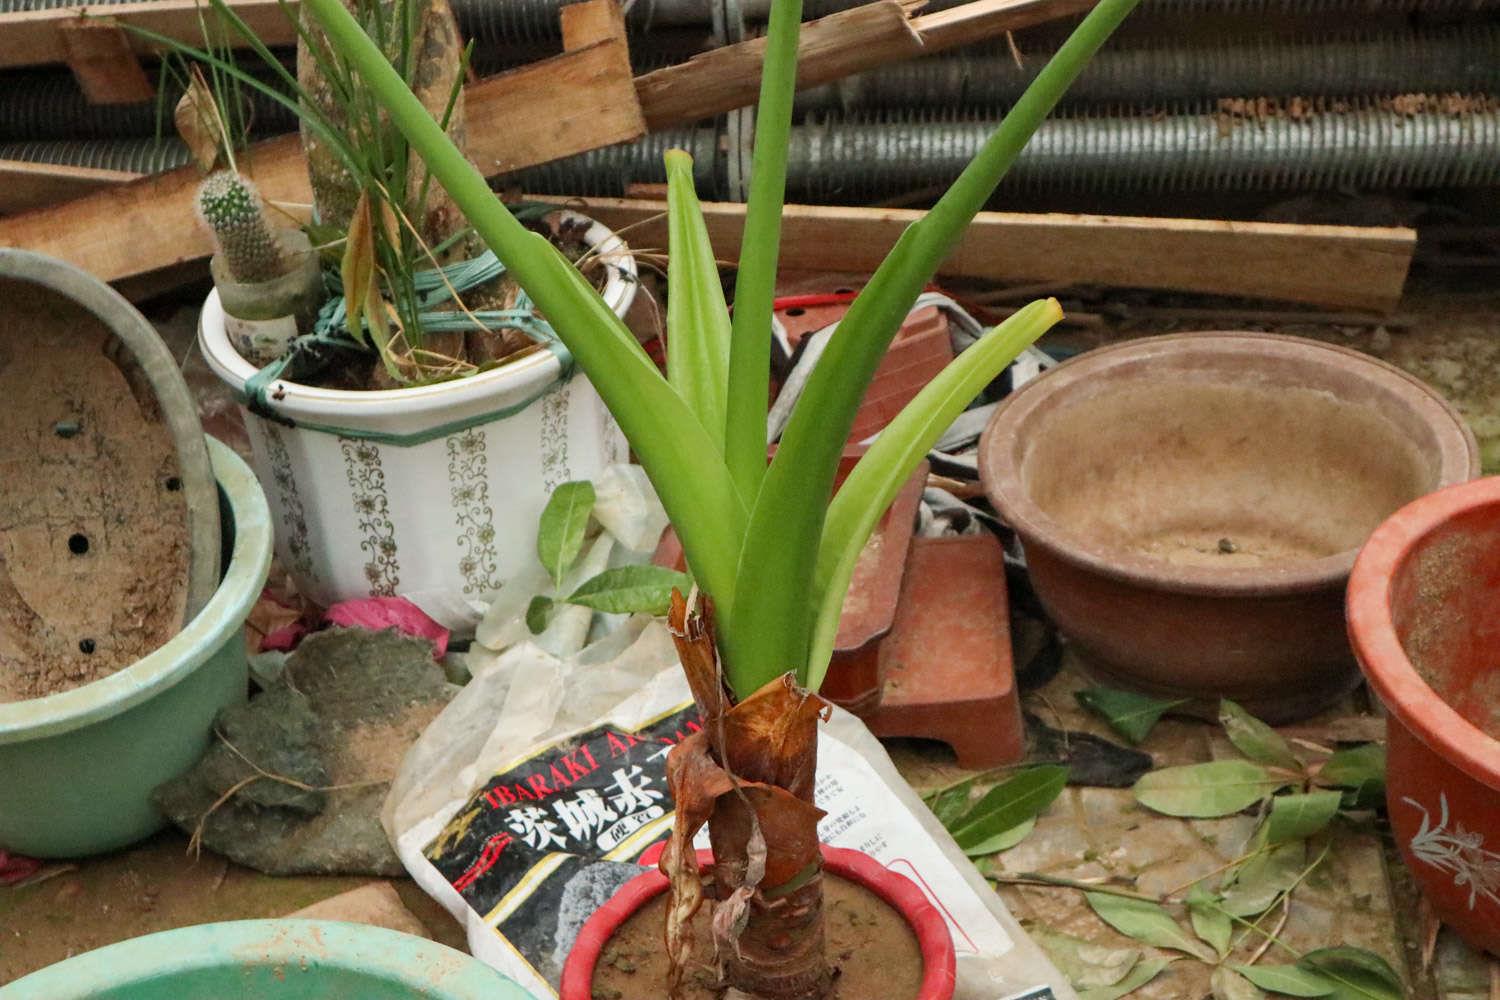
x=795, y=311
x=66, y=428
x=173, y=484
x=78, y=544
x=86, y=646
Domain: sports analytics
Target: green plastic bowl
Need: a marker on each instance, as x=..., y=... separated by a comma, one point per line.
x=269, y=960
x=77, y=768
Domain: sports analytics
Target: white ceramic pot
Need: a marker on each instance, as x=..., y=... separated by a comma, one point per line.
x=445, y=521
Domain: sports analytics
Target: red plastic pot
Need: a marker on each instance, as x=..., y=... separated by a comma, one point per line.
x=1424, y=619
x=896, y=889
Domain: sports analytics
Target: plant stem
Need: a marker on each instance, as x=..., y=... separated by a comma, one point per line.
x=1057, y=881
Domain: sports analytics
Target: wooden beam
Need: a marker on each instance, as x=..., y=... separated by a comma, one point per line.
x=26, y=185
x=36, y=37
x=833, y=47
x=103, y=63
x=1342, y=266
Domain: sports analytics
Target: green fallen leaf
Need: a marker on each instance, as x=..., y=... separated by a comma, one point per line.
x=1147, y=922
x=1361, y=771
x=1230, y=985
x=1255, y=739
x=1131, y=715
x=1257, y=882
x=1085, y=963
x=1289, y=979
x=1204, y=791
x=539, y=613
x=951, y=803
x=559, y=535
x=1009, y=804
x=1210, y=922
x=1357, y=974
x=1294, y=817
x=1142, y=974
x=1002, y=841
x=629, y=589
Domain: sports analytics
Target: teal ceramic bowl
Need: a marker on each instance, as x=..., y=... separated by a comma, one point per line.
x=269, y=960
x=77, y=768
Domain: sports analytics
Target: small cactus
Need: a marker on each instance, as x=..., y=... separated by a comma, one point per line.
x=231, y=208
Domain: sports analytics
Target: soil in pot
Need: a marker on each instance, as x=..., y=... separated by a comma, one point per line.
x=872, y=947
x=94, y=538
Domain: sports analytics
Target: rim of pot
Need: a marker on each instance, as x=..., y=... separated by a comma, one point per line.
x=221, y=618
x=620, y=287
x=1458, y=456
x=1372, y=630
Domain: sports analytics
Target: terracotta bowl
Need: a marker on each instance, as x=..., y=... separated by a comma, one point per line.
x=1190, y=505
x=1424, y=618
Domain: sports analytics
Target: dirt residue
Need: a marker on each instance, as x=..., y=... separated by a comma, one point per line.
x=1235, y=111
x=873, y=950
x=93, y=523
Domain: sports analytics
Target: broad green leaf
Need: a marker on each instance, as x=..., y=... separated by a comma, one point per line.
x=539, y=614
x=1255, y=739
x=1009, y=804
x=1294, y=817
x=1146, y=922
x=1292, y=980
x=1085, y=963
x=1357, y=974
x=559, y=536
x=1263, y=877
x=1210, y=922
x=629, y=589
x=1131, y=715
x=881, y=471
x=1360, y=770
x=951, y=803
x=1217, y=788
x=1002, y=841
x=697, y=318
x=1230, y=985
x=1143, y=973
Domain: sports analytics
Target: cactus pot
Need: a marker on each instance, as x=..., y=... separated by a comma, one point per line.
x=1424, y=614
x=901, y=894
x=269, y=960
x=447, y=514
x=77, y=768
x=262, y=317
x=1190, y=506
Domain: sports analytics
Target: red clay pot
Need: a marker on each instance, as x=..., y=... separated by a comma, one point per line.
x=896, y=889
x=1424, y=619
x=1190, y=505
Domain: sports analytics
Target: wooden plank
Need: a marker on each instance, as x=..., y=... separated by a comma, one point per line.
x=830, y=48
x=1342, y=266
x=104, y=64
x=28, y=185
x=35, y=37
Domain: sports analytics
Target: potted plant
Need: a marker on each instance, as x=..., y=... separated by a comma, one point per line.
x=423, y=405
x=771, y=554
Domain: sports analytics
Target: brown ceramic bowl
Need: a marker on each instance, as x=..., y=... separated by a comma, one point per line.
x=1191, y=505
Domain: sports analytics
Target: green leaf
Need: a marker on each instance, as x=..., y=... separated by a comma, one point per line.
x=1203, y=791
x=1356, y=973
x=697, y=318
x=1009, y=804
x=1131, y=715
x=1142, y=974
x=1230, y=985
x=1085, y=963
x=1359, y=769
x=630, y=589
x=1294, y=817
x=1002, y=841
x=1210, y=922
x=885, y=467
x=1146, y=922
x=559, y=536
x=951, y=803
x=1255, y=739
x=1264, y=876
x=539, y=613
x=1289, y=979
